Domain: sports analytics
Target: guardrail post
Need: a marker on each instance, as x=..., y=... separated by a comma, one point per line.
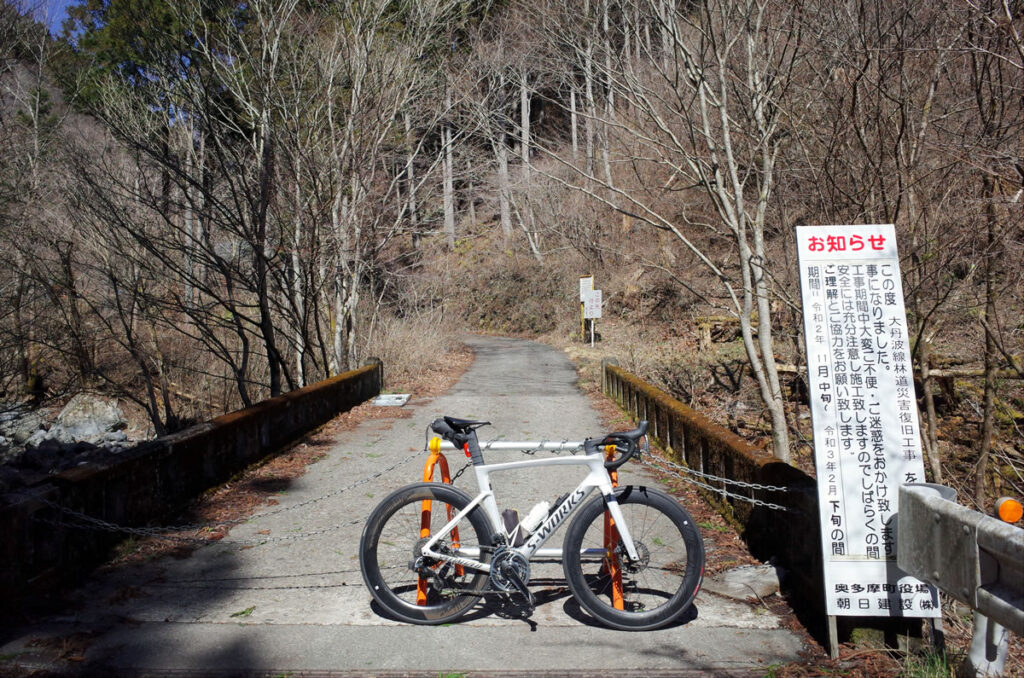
x=606, y=378
x=987, y=656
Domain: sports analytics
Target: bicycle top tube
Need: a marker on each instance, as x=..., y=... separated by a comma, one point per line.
x=461, y=433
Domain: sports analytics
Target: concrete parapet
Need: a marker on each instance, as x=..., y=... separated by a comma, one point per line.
x=154, y=481
x=791, y=538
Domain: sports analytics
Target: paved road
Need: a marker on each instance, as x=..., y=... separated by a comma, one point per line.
x=297, y=603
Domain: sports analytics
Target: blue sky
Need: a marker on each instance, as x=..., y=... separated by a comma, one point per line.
x=53, y=12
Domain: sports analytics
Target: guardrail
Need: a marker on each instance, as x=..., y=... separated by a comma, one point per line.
x=977, y=559
x=974, y=558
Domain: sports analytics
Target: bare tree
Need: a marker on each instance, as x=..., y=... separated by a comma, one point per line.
x=708, y=120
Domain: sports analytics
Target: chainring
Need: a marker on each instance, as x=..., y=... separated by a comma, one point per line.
x=503, y=558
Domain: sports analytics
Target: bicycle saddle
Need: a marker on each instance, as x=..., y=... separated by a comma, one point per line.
x=464, y=425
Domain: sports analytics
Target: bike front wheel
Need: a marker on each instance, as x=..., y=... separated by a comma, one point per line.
x=412, y=587
x=653, y=590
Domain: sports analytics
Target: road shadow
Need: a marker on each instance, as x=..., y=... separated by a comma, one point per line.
x=573, y=610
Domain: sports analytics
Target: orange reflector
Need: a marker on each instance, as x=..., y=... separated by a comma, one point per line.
x=435, y=445
x=465, y=448
x=1009, y=510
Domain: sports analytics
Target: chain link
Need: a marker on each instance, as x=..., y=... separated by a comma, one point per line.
x=707, y=476
x=460, y=472
x=86, y=521
x=555, y=450
x=667, y=466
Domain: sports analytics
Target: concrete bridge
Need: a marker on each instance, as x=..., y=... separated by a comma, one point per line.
x=282, y=593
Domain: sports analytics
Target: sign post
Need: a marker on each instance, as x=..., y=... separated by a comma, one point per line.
x=592, y=310
x=864, y=410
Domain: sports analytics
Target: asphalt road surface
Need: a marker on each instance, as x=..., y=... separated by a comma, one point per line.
x=282, y=594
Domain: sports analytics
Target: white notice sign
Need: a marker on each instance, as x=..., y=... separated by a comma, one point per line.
x=592, y=304
x=866, y=431
x=586, y=286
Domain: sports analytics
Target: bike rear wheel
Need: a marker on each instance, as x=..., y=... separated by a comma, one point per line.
x=656, y=589
x=409, y=586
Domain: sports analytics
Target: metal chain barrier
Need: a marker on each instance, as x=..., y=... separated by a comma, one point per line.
x=85, y=521
x=555, y=450
x=707, y=476
x=683, y=472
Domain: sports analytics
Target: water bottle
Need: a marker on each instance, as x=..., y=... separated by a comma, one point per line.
x=535, y=517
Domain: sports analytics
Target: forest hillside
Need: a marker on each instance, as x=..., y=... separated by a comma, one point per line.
x=204, y=203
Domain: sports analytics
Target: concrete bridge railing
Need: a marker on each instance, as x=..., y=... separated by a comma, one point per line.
x=791, y=536
x=154, y=481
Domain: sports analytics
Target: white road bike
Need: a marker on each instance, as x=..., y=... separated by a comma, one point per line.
x=633, y=557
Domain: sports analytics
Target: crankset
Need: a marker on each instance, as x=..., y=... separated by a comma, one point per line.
x=510, y=570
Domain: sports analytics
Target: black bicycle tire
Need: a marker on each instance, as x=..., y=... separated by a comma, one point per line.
x=690, y=540
x=439, y=613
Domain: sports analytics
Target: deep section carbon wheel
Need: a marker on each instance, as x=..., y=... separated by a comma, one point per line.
x=413, y=587
x=642, y=594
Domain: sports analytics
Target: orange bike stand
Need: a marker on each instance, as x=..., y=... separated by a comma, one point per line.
x=611, y=540
x=433, y=460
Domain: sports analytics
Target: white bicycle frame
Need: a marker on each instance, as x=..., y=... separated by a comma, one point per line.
x=598, y=477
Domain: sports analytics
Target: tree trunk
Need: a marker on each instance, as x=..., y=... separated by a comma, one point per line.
x=588, y=123
x=504, y=187
x=470, y=192
x=665, y=12
x=524, y=126
x=297, y=278
x=991, y=351
x=447, y=170
x=588, y=89
x=930, y=434
x=609, y=101
x=574, y=124
x=410, y=181
x=266, y=322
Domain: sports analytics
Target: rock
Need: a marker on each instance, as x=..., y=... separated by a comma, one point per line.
x=114, y=437
x=27, y=423
x=743, y=583
x=36, y=439
x=22, y=435
x=87, y=415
